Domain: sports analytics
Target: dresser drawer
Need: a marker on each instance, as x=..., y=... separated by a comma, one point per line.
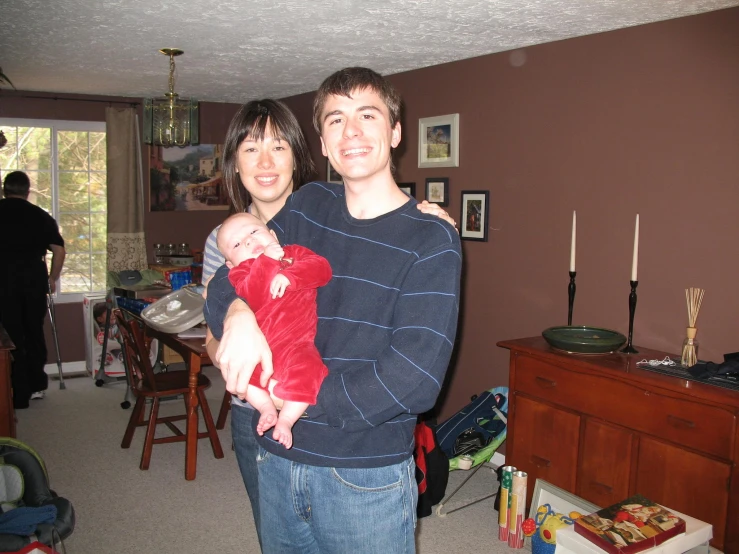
x=684, y=421
x=546, y=444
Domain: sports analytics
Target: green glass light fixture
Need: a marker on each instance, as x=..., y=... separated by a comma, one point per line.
x=170, y=120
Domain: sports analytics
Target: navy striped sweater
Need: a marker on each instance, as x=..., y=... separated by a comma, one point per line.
x=386, y=325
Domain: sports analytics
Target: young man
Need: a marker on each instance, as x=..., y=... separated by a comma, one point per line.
x=387, y=322
x=26, y=233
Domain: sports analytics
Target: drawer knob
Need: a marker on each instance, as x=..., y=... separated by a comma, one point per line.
x=546, y=383
x=680, y=423
x=539, y=461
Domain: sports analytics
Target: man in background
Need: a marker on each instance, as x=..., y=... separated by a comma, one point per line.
x=27, y=232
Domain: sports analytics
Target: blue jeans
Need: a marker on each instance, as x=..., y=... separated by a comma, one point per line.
x=247, y=449
x=324, y=510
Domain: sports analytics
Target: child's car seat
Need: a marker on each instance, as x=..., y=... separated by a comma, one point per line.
x=24, y=483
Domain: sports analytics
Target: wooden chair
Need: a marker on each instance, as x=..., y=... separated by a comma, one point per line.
x=146, y=384
x=223, y=412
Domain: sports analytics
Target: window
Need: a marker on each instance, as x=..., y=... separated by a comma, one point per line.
x=66, y=162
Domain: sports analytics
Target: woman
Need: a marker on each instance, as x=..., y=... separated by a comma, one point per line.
x=265, y=158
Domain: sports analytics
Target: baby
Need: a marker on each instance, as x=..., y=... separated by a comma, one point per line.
x=279, y=285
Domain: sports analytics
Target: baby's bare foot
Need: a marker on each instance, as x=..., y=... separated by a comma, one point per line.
x=266, y=421
x=283, y=434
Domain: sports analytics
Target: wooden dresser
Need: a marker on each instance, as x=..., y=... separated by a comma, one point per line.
x=603, y=429
x=7, y=414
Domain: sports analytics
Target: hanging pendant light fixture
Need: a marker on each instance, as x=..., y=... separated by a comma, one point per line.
x=171, y=120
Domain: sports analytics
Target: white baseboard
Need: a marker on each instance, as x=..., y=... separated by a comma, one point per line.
x=69, y=369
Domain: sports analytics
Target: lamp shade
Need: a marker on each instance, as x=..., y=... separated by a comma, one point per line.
x=171, y=120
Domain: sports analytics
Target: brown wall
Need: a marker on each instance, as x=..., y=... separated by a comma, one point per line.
x=641, y=120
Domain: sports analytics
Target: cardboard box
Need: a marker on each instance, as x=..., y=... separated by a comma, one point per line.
x=169, y=356
x=697, y=533
x=629, y=526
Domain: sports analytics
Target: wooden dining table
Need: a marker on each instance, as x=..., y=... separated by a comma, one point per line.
x=195, y=355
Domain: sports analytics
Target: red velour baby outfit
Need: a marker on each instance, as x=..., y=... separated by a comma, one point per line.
x=288, y=323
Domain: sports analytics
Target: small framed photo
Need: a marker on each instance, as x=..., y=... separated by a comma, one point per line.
x=475, y=212
x=408, y=188
x=437, y=190
x=332, y=176
x=561, y=501
x=438, y=141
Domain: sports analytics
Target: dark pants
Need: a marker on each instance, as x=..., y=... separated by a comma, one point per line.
x=23, y=289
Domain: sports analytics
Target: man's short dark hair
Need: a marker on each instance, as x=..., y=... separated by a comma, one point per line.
x=16, y=183
x=351, y=79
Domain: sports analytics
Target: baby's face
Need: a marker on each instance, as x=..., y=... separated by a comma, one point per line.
x=243, y=237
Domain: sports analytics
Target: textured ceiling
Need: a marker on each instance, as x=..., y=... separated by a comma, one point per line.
x=237, y=50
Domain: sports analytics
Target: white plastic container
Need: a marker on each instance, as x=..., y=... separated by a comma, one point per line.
x=175, y=312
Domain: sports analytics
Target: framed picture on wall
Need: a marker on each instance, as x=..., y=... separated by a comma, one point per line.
x=332, y=176
x=186, y=179
x=437, y=190
x=438, y=141
x=475, y=213
x=408, y=188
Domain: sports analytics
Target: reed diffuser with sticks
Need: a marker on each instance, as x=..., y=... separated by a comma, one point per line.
x=693, y=297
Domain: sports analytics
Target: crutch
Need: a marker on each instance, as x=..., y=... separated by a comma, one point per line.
x=52, y=320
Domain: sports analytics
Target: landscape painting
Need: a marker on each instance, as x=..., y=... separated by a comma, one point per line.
x=187, y=179
x=438, y=141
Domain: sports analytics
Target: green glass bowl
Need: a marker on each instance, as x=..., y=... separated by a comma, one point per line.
x=584, y=339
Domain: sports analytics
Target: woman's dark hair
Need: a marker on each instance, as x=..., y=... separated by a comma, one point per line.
x=252, y=120
x=16, y=183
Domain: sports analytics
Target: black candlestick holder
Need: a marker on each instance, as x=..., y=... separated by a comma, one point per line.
x=629, y=349
x=571, y=288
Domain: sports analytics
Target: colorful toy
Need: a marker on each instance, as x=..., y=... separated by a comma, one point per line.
x=543, y=530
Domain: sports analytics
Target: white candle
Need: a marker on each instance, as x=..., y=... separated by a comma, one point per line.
x=574, y=240
x=635, y=259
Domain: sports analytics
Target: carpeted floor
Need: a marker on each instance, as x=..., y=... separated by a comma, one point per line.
x=121, y=509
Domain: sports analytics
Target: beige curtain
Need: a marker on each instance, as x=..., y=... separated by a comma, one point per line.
x=126, y=239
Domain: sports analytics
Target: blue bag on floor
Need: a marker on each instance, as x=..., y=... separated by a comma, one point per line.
x=24, y=520
x=476, y=425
